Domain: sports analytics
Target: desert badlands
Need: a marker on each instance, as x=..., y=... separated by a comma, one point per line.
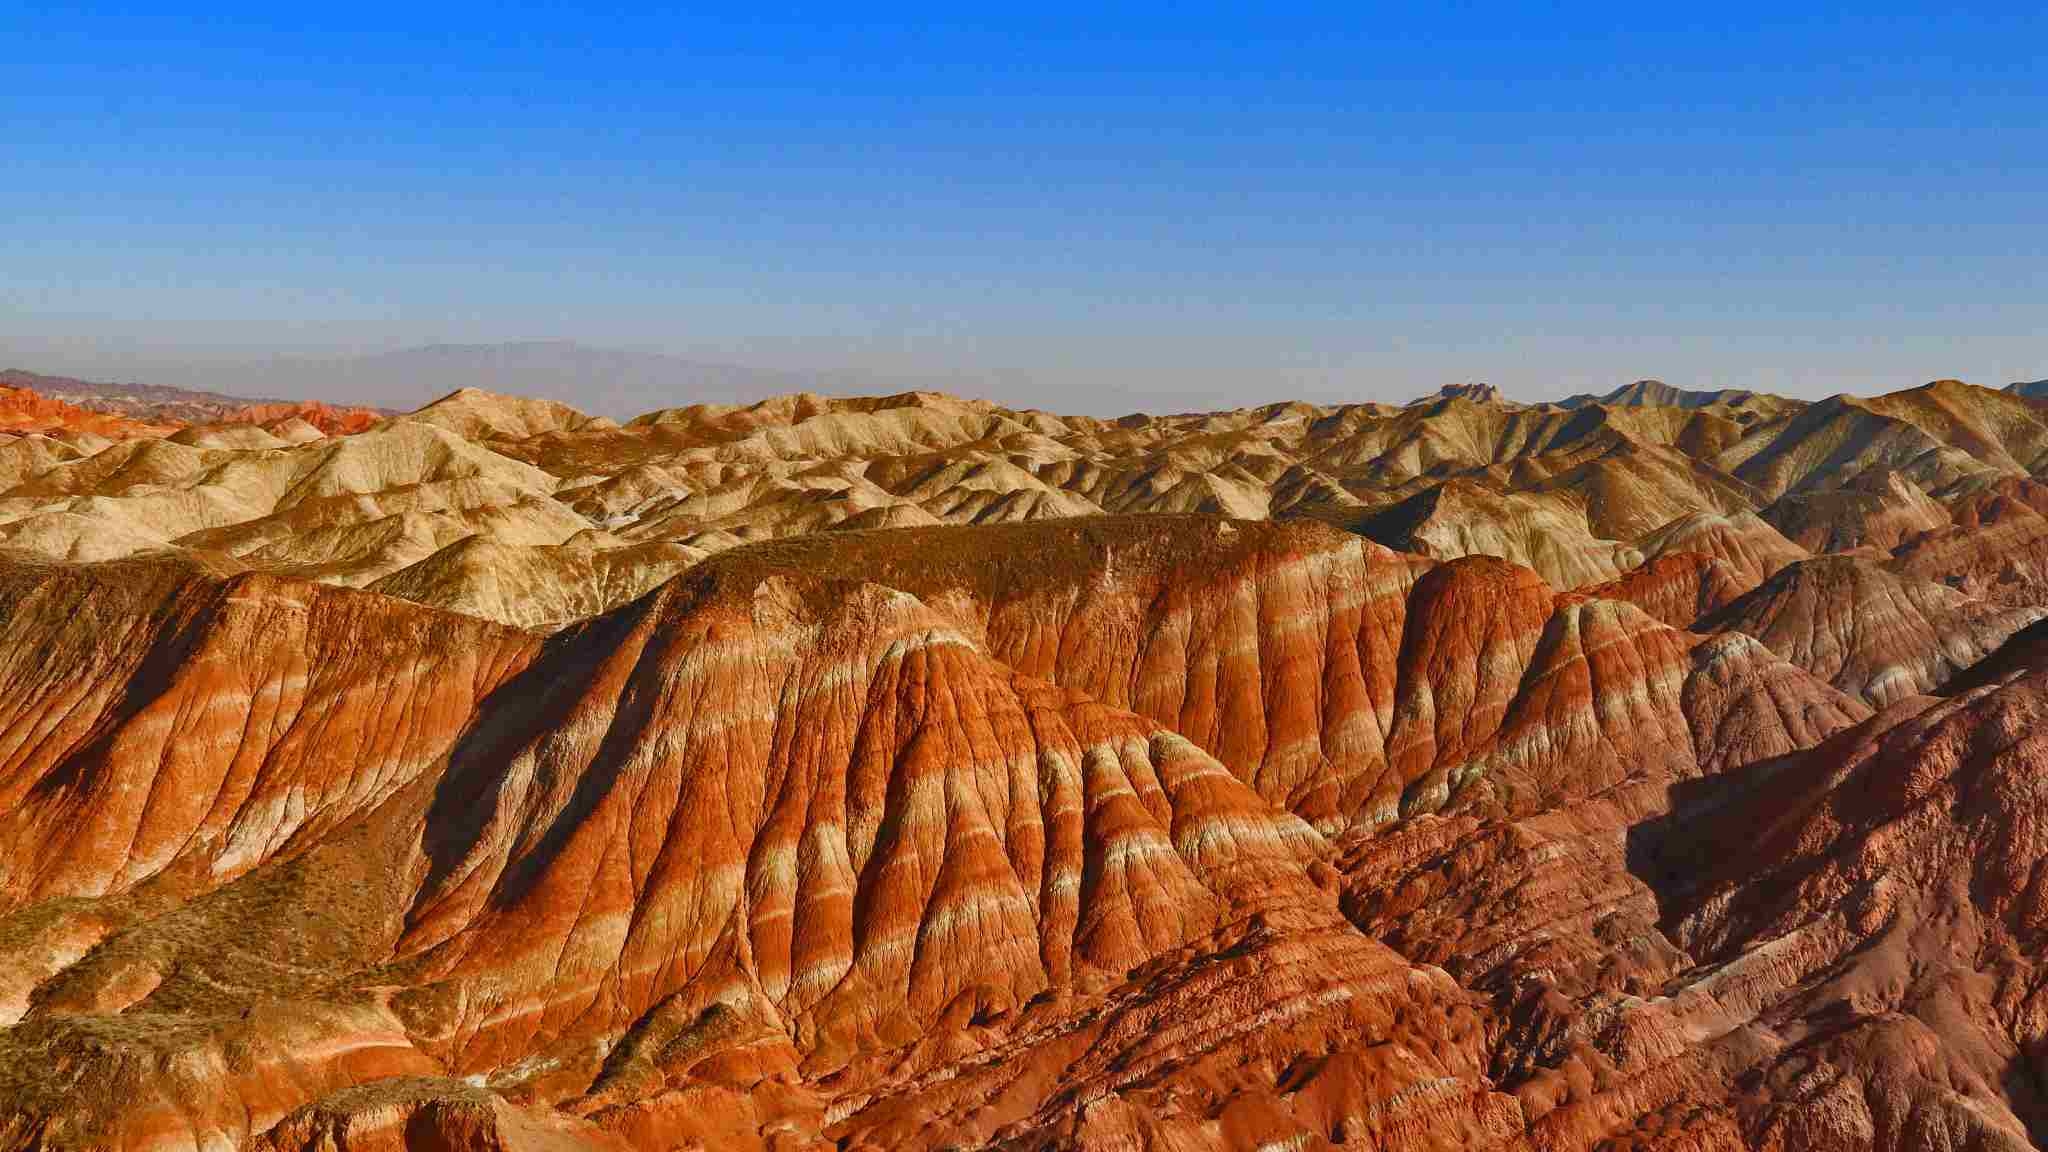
x=1654, y=770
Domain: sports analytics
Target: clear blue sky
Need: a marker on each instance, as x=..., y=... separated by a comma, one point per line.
x=1186, y=200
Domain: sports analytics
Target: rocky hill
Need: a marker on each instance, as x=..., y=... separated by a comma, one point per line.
x=159, y=405
x=1651, y=771
x=1582, y=493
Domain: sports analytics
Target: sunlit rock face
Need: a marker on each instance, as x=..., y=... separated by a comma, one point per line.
x=531, y=513
x=916, y=773
x=313, y=838
x=1870, y=631
x=1678, y=588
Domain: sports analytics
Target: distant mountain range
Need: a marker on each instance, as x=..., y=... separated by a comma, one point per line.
x=1657, y=394
x=606, y=381
x=616, y=382
x=167, y=407
x=145, y=402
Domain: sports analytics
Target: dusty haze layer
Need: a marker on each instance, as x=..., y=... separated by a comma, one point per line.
x=1657, y=770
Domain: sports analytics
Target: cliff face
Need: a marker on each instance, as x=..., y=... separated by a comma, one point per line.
x=196, y=786
x=1342, y=681
x=164, y=725
x=1832, y=948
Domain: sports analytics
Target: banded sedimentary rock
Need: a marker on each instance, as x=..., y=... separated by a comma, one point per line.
x=1867, y=630
x=1582, y=492
x=160, y=725
x=1996, y=549
x=788, y=817
x=813, y=801
x=1342, y=681
x=1879, y=512
x=1882, y=917
x=1753, y=550
x=1677, y=588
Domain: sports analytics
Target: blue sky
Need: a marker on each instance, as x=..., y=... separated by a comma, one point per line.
x=1184, y=202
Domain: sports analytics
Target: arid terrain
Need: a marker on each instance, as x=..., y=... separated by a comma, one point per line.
x=1657, y=770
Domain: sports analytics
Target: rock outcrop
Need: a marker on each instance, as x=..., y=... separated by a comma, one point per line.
x=1880, y=927
x=844, y=834
x=1878, y=512
x=23, y=410
x=1583, y=491
x=1677, y=588
x=911, y=772
x=1996, y=547
x=361, y=839
x=1867, y=630
x=1745, y=542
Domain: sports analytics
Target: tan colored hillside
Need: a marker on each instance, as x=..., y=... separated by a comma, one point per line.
x=1581, y=492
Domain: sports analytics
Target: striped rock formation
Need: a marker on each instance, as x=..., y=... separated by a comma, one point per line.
x=1869, y=959
x=1867, y=630
x=1996, y=549
x=285, y=840
x=1582, y=491
x=164, y=408
x=1879, y=511
x=681, y=807
x=1550, y=913
x=1677, y=588
x=911, y=838
x=1752, y=549
x=25, y=410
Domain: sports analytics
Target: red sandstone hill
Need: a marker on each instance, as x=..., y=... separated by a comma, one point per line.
x=1867, y=630
x=742, y=799
x=22, y=410
x=1831, y=949
x=852, y=837
x=1883, y=925
x=165, y=407
x=914, y=772
x=329, y=419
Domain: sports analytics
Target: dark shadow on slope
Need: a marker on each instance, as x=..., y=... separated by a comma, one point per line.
x=523, y=712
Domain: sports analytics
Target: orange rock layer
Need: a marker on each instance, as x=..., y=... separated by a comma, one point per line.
x=1171, y=832
x=23, y=410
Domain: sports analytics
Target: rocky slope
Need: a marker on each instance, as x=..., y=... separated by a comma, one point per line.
x=165, y=407
x=1883, y=923
x=23, y=410
x=800, y=802
x=910, y=838
x=1583, y=492
x=1869, y=631
x=857, y=792
x=1647, y=771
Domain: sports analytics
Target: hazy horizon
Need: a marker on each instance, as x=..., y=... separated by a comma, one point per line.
x=623, y=382
x=1094, y=212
